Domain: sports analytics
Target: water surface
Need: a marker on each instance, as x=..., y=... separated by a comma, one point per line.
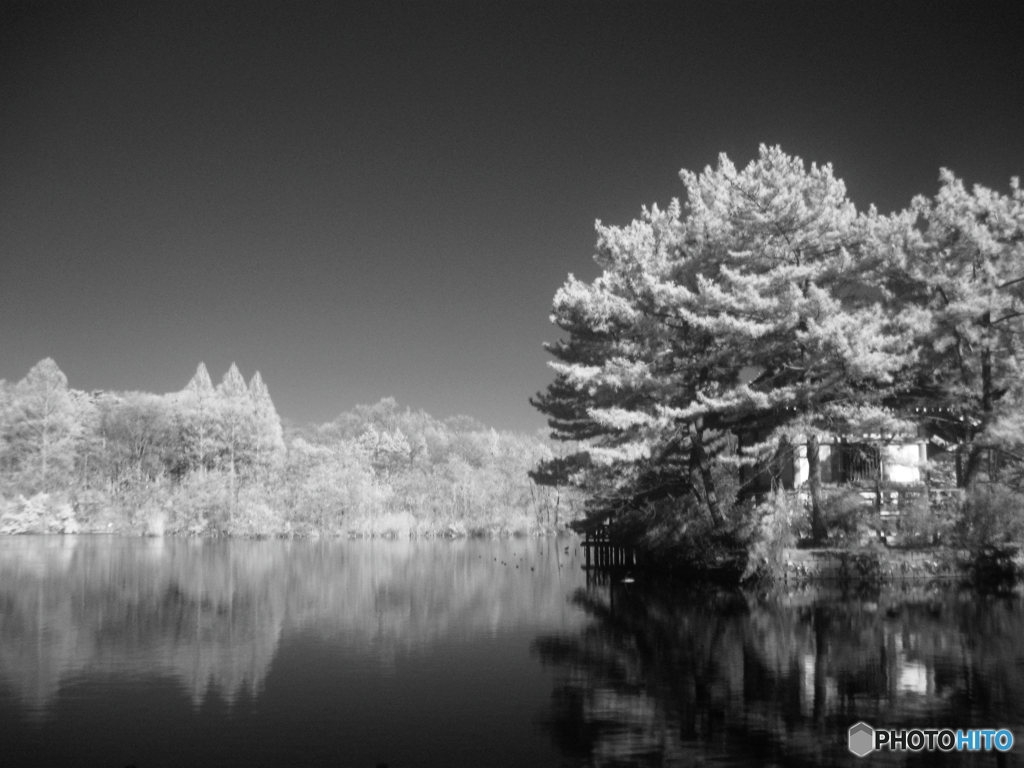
x=168, y=652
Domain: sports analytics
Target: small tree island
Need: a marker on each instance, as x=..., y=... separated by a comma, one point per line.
x=749, y=361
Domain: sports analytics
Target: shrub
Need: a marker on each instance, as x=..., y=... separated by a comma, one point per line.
x=200, y=504
x=777, y=520
x=993, y=515
x=254, y=518
x=926, y=525
x=41, y=513
x=850, y=519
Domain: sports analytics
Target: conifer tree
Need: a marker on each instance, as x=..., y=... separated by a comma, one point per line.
x=765, y=272
x=960, y=258
x=42, y=428
x=89, y=445
x=269, y=436
x=236, y=418
x=197, y=418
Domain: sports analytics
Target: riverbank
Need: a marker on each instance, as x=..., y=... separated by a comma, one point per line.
x=843, y=568
x=253, y=518
x=872, y=565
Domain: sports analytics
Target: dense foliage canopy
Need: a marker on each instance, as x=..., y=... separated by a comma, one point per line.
x=765, y=311
x=215, y=459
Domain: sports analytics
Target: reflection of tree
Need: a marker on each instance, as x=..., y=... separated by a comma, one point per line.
x=665, y=678
x=142, y=607
x=211, y=614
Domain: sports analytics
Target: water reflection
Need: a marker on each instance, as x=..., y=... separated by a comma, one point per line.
x=172, y=652
x=670, y=677
x=211, y=614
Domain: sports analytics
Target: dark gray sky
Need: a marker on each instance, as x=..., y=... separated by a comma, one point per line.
x=382, y=201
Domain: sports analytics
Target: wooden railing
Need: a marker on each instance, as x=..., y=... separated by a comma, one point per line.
x=857, y=463
x=601, y=552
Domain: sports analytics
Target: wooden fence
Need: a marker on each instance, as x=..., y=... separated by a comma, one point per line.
x=600, y=552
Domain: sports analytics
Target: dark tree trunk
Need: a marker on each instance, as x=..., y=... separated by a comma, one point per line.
x=975, y=457
x=699, y=457
x=818, y=531
x=695, y=480
x=971, y=470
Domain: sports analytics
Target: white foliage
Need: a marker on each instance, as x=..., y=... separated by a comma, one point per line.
x=754, y=271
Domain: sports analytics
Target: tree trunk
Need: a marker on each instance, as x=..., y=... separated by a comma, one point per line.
x=960, y=465
x=695, y=481
x=974, y=461
x=986, y=378
x=776, y=464
x=44, y=450
x=699, y=456
x=818, y=531
x=974, y=458
x=878, y=482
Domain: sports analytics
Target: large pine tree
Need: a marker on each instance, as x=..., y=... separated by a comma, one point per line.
x=960, y=259
x=753, y=310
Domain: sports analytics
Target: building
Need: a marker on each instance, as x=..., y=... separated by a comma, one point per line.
x=859, y=460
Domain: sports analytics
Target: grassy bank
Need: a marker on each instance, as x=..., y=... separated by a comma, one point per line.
x=976, y=540
x=985, y=566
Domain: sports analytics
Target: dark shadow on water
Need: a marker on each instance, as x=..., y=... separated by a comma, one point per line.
x=671, y=676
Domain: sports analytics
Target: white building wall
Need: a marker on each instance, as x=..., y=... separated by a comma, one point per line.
x=900, y=463
x=802, y=469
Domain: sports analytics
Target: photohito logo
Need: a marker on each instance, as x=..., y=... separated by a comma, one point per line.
x=863, y=739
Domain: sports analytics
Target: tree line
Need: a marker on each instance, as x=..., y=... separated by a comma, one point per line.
x=214, y=459
x=765, y=313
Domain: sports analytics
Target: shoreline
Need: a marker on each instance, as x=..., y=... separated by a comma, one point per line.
x=887, y=566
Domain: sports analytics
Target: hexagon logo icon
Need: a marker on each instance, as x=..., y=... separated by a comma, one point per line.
x=862, y=739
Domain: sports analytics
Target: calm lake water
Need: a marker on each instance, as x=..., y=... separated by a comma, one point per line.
x=168, y=652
